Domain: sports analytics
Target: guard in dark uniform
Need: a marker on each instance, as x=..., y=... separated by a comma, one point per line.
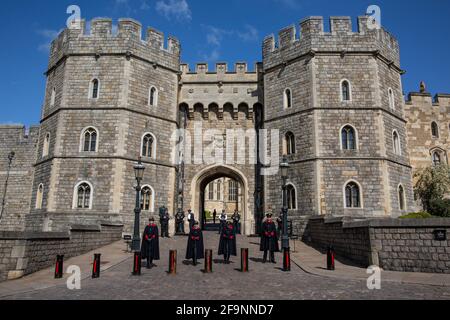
x=150, y=243
x=227, y=244
x=165, y=224
x=236, y=217
x=269, y=239
x=215, y=216
x=195, y=249
x=179, y=217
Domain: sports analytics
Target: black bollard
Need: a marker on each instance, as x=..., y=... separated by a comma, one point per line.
x=287, y=259
x=330, y=258
x=137, y=264
x=173, y=262
x=244, y=260
x=59, y=268
x=208, y=261
x=96, y=266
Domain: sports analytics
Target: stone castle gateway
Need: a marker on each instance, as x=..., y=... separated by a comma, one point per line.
x=335, y=97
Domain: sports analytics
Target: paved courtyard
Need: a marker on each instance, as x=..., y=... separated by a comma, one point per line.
x=265, y=281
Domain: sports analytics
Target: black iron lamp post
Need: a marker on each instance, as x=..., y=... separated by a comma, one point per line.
x=284, y=168
x=139, y=169
x=139, y=175
x=11, y=156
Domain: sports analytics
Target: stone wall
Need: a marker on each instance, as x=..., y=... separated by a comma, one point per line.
x=23, y=253
x=14, y=138
x=393, y=244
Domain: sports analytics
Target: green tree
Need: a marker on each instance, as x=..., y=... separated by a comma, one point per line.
x=432, y=184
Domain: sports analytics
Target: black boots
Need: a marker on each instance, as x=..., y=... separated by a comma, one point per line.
x=272, y=257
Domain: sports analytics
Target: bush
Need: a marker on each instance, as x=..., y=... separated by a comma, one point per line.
x=417, y=215
x=440, y=207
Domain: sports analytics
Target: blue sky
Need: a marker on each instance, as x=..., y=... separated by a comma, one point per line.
x=210, y=31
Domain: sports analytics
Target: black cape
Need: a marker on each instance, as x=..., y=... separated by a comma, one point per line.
x=227, y=242
x=150, y=243
x=269, y=237
x=193, y=243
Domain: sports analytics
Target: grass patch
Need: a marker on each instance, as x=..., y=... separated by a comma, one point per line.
x=418, y=215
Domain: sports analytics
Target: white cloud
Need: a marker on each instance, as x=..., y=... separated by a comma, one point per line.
x=48, y=36
x=250, y=33
x=178, y=9
x=291, y=4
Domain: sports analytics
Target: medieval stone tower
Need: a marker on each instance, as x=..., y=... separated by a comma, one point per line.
x=334, y=99
x=106, y=94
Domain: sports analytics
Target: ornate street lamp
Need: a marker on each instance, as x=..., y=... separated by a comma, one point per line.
x=11, y=156
x=284, y=168
x=139, y=169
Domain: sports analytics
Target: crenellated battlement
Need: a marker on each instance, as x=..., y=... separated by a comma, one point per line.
x=220, y=68
x=311, y=38
x=102, y=38
x=426, y=99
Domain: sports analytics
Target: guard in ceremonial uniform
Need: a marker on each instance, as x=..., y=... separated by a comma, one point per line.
x=269, y=239
x=227, y=244
x=165, y=224
x=195, y=249
x=191, y=219
x=236, y=221
x=179, y=218
x=150, y=243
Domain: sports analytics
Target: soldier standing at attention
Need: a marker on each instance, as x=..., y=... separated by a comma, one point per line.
x=223, y=220
x=236, y=221
x=227, y=244
x=165, y=224
x=150, y=243
x=269, y=239
x=195, y=248
x=191, y=219
x=179, y=217
x=215, y=216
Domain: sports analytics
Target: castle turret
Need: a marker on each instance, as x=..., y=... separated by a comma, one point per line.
x=337, y=99
x=111, y=98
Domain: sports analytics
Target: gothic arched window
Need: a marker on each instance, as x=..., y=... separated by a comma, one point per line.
x=348, y=137
x=345, y=91
x=83, y=196
x=153, y=97
x=95, y=89
x=391, y=99
x=149, y=146
x=396, y=143
x=289, y=140
x=40, y=196
x=291, y=197
x=46, y=147
x=434, y=130
x=436, y=158
x=147, y=198
x=288, y=98
x=401, y=197
x=89, y=140
x=352, y=195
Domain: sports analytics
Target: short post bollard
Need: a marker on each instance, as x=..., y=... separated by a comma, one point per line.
x=96, y=266
x=287, y=259
x=208, y=261
x=244, y=260
x=330, y=258
x=173, y=262
x=137, y=264
x=59, y=268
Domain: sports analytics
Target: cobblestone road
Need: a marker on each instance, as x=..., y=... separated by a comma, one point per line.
x=265, y=281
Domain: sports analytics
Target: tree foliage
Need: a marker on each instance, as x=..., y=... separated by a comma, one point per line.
x=432, y=185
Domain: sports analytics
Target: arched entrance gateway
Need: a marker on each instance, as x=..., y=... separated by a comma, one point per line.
x=200, y=182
